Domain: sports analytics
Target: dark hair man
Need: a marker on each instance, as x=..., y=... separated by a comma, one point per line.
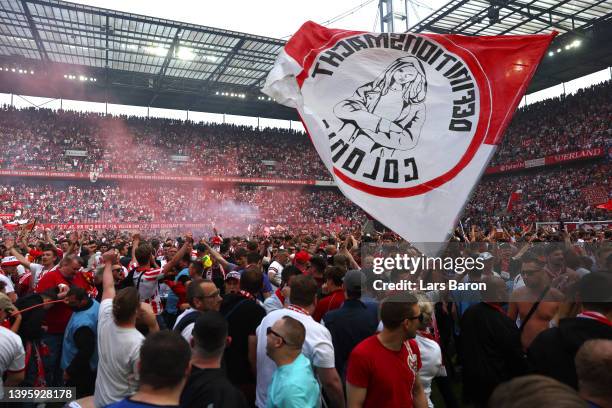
x=536, y=303
x=119, y=341
x=243, y=313
x=202, y=295
x=382, y=369
x=79, y=351
x=207, y=384
x=552, y=353
x=163, y=369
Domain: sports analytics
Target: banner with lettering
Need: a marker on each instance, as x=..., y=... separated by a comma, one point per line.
x=406, y=123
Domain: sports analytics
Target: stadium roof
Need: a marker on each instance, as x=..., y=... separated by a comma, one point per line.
x=89, y=53
x=139, y=60
x=584, y=22
x=498, y=17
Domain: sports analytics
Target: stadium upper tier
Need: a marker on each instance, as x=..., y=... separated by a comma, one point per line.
x=85, y=142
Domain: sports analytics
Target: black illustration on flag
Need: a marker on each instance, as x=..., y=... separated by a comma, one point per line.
x=390, y=110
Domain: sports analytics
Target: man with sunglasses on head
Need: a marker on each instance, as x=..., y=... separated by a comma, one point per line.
x=536, y=303
x=382, y=369
x=293, y=383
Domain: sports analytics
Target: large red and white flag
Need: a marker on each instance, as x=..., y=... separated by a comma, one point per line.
x=406, y=123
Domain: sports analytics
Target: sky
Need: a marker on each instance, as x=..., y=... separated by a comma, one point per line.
x=271, y=18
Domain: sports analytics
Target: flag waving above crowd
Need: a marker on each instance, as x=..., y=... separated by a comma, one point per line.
x=406, y=123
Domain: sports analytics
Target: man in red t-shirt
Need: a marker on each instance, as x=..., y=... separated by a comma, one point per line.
x=56, y=320
x=382, y=369
x=334, y=277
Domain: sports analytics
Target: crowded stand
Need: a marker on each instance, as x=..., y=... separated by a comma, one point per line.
x=165, y=146
x=274, y=300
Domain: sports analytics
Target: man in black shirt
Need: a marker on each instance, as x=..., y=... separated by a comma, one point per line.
x=207, y=384
x=351, y=323
x=244, y=313
x=490, y=345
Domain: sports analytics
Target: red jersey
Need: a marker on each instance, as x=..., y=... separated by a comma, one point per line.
x=330, y=302
x=388, y=375
x=59, y=314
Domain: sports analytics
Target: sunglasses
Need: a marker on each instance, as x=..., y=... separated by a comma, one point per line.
x=419, y=317
x=529, y=273
x=212, y=295
x=270, y=331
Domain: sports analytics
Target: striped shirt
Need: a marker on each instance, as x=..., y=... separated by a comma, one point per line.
x=148, y=287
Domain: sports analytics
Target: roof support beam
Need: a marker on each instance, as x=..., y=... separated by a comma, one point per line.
x=39, y=44
x=220, y=69
x=427, y=24
x=162, y=71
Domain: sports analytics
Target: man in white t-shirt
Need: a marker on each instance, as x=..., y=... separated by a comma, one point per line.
x=318, y=347
x=118, y=340
x=12, y=354
x=275, y=269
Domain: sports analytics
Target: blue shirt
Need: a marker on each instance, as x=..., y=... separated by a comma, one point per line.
x=127, y=403
x=172, y=300
x=294, y=386
x=267, y=287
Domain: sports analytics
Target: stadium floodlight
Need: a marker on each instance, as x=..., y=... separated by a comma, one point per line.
x=558, y=50
x=31, y=72
x=567, y=47
x=550, y=54
x=185, y=53
x=12, y=69
x=82, y=78
x=577, y=43
x=159, y=51
x=217, y=93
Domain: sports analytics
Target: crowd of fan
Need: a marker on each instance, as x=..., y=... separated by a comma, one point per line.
x=550, y=195
x=232, y=207
x=558, y=125
x=292, y=320
x=37, y=139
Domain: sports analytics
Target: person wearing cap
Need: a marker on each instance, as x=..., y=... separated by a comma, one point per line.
x=9, y=268
x=207, y=385
x=335, y=293
x=280, y=298
x=12, y=353
x=553, y=351
x=487, y=259
x=352, y=322
x=232, y=283
x=300, y=260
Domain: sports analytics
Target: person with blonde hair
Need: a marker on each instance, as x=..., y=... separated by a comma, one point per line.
x=431, y=354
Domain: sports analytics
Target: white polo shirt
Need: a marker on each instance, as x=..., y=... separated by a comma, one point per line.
x=318, y=348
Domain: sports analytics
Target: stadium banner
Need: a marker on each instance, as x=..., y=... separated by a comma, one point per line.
x=126, y=226
x=406, y=123
x=151, y=177
x=594, y=153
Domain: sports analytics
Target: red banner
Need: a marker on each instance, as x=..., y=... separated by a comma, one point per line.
x=150, y=177
x=547, y=161
x=128, y=226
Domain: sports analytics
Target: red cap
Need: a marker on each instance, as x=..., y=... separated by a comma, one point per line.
x=302, y=257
